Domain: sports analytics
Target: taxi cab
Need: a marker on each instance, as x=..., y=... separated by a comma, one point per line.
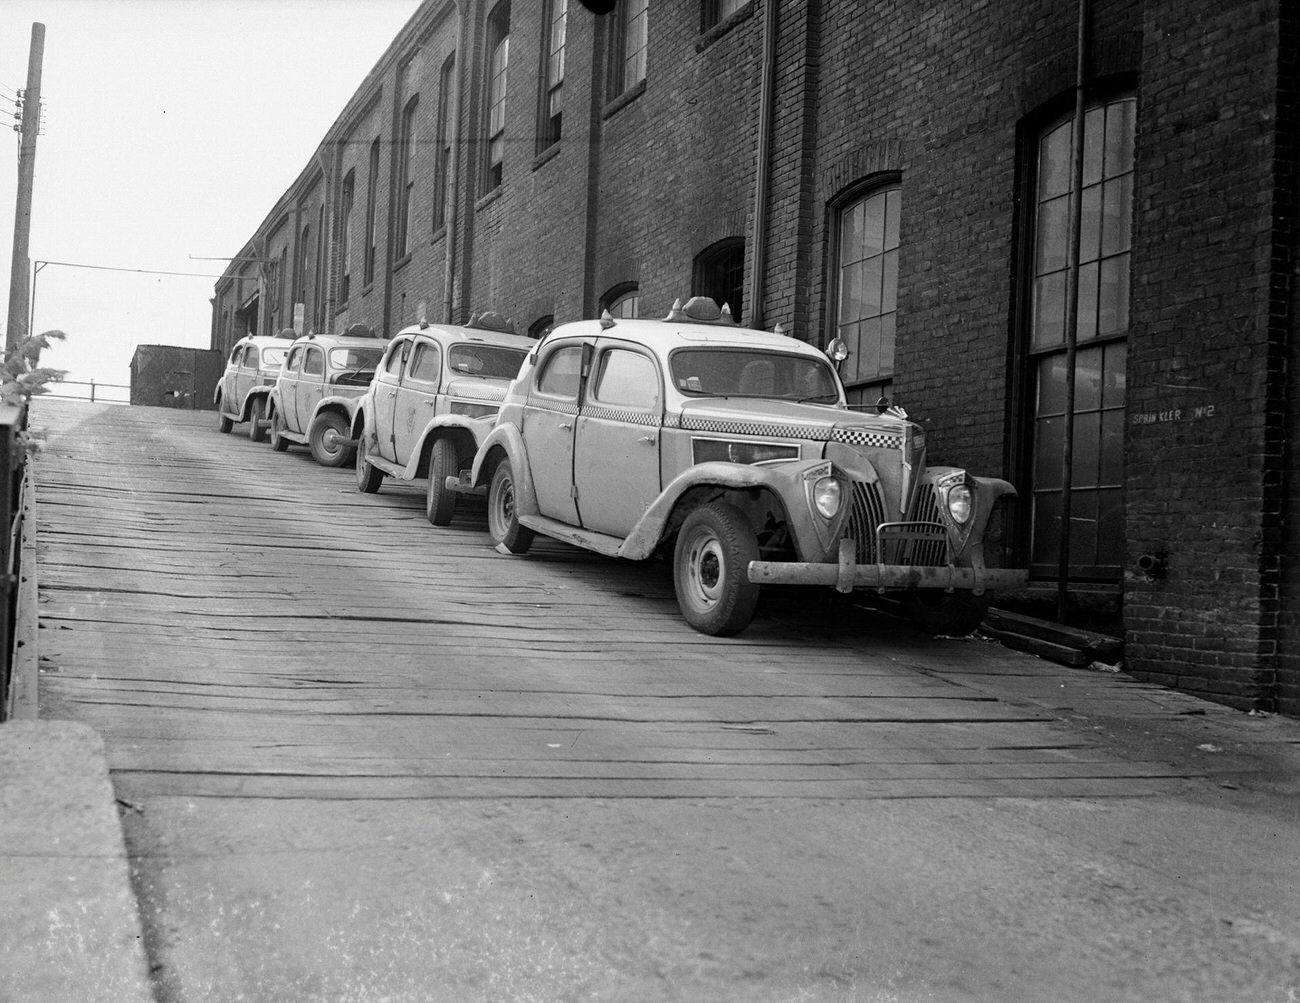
x=733, y=452
x=434, y=397
x=251, y=370
x=315, y=398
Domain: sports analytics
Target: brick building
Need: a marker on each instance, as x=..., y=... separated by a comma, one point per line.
x=899, y=174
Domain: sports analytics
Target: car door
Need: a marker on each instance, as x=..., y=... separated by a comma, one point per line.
x=230, y=380
x=310, y=385
x=247, y=376
x=550, y=412
x=616, y=446
x=417, y=396
x=388, y=378
x=288, y=388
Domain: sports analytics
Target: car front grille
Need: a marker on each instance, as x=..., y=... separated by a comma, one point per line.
x=921, y=540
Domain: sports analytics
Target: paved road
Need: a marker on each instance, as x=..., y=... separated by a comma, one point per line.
x=363, y=759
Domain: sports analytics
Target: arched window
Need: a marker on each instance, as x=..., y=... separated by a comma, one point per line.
x=623, y=300
x=865, y=280
x=720, y=274
x=1102, y=322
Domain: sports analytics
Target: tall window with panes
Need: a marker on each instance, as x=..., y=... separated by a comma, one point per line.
x=866, y=288
x=446, y=104
x=408, y=144
x=372, y=222
x=551, y=98
x=498, y=63
x=345, y=224
x=1102, y=319
x=714, y=12
x=629, y=42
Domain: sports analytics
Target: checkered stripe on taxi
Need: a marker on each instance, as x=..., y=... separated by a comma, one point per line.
x=866, y=437
x=618, y=414
x=693, y=424
x=558, y=407
x=479, y=391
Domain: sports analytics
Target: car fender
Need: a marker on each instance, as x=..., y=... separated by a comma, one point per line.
x=245, y=409
x=361, y=417
x=346, y=406
x=440, y=426
x=508, y=439
x=784, y=480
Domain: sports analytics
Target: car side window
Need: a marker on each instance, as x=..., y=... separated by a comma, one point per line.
x=313, y=362
x=250, y=357
x=424, y=363
x=295, y=357
x=561, y=372
x=236, y=355
x=627, y=379
x=396, y=354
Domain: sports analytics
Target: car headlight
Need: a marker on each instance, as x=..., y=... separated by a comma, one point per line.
x=959, y=503
x=827, y=496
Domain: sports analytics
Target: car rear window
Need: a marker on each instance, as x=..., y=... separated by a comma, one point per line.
x=723, y=372
x=486, y=360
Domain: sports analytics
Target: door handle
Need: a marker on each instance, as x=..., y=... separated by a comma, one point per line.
x=392, y=393
x=649, y=440
x=566, y=425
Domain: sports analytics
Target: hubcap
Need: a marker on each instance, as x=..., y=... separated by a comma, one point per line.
x=704, y=569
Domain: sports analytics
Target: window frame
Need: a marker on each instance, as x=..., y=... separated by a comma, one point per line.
x=495, y=89
x=372, y=216
x=863, y=390
x=406, y=151
x=627, y=66
x=348, y=198
x=444, y=128
x=550, y=96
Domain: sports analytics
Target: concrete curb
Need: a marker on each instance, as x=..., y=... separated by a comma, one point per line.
x=69, y=926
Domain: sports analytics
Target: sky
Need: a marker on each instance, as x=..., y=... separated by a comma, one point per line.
x=169, y=130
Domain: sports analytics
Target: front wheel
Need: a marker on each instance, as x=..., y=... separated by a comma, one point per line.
x=278, y=442
x=257, y=419
x=368, y=478
x=711, y=570
x=439, y=503
x=503, y=519
x=954, y=614
x=329, y=441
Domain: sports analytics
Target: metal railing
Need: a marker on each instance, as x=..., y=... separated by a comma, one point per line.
x=95, y=394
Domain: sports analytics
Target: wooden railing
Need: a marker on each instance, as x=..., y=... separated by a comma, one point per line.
x=97, y=393
x=17, y=684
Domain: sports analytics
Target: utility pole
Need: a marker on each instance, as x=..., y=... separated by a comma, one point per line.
x=16, y=329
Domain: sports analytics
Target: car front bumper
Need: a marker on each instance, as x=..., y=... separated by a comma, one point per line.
x=845, y=575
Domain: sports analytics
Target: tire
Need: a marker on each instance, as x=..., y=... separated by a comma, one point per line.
x=368, y=478
x=954, y=614
x=711, y=570
x=278, y=442
x=224, y=421
x=439, y=503
x=503, y=519
x=257, y=419
x=324, y=440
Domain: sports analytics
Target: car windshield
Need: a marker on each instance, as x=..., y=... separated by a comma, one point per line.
x=273, y=358
x=486, y=360
x=355, y=358
x=729, y=372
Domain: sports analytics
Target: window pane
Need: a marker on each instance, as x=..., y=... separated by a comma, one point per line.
x=1110, y=528
x=851, y=238
x=1054, y=163
x=1051, y=385
x=1094, y=140
x=1084, y=462
x=893, y=211
x=1088, y=379
x=1087, y=314
x=887, y=344
x=1090, y=225
x=1112, y=311
x=1053, y=234
x=1112, y=394
x=869, y=362
x=889, y=283
x=1119, y=137
x=1117, y=224
x=1111, y=465
x=560, y=377
x=1047, y=528
x=873, y=228
x=872, y=274
x=424, y=366
x=1049, y=311
x=851, y=292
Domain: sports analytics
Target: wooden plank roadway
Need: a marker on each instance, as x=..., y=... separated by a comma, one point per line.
x=241, y=623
